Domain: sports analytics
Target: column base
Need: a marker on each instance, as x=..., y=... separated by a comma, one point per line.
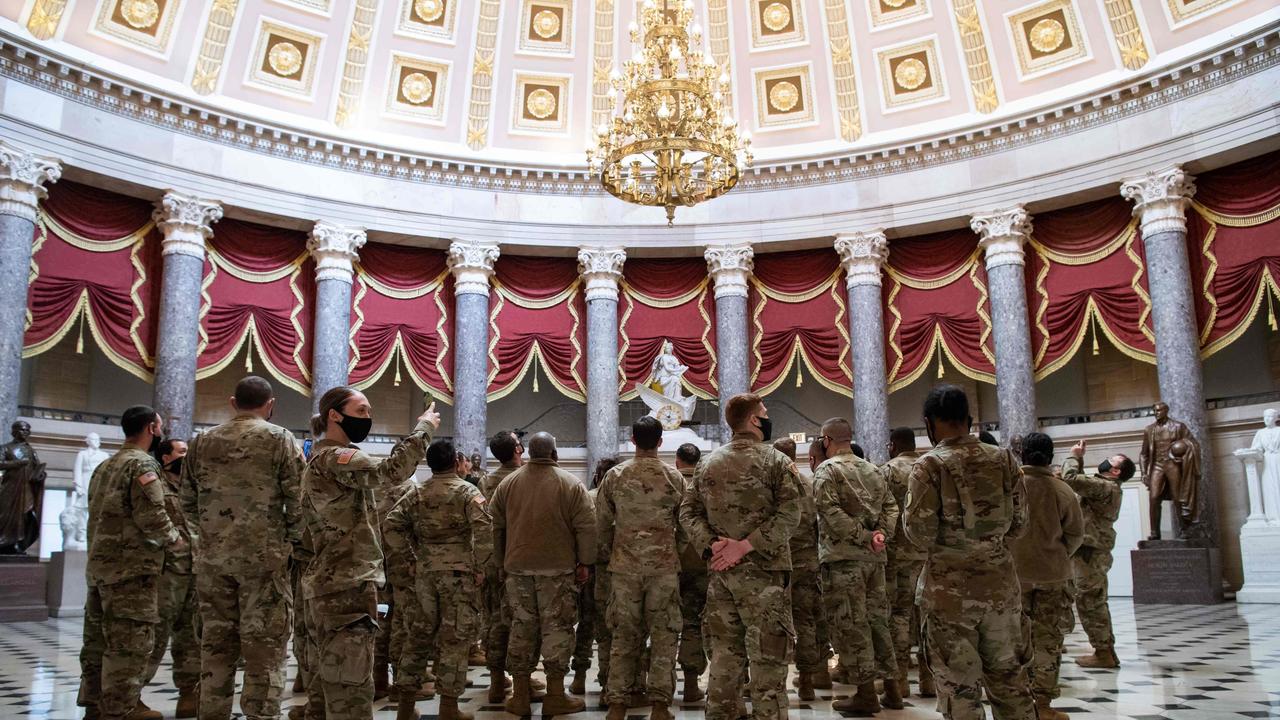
x=1176, y=572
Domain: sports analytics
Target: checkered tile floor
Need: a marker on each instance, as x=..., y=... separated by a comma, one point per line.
x=1179, y=662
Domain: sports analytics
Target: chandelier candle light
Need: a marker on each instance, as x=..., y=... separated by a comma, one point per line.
x=672, y=142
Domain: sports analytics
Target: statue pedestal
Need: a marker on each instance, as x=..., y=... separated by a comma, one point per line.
x=67, y=585
x=22, y=588
x=1259, y=548
x=1176, y=572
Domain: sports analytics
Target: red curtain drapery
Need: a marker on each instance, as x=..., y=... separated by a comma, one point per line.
x=1085, y=274
x=935, y=299
x=537, y=317
x=401, y=318
x=95, y=262
x=259, y=287
x=797, y=308
x=1233, y=240
x=667, y=299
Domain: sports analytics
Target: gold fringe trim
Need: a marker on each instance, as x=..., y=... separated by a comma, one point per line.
x=399, y=294
x=1042, y=307
x=206, y=302
x=983, y=301
x=805, y=296
x=1207, y=286
x=1088, y=258
x=943, y=281
x=254, y=276
x=892, y=335
x=1266, y=288
x=1259, y=218
x=353, y=353
x=99, y=246
x=493, y=339
x=443, y=337
x=842, y=326
x=654, y=302
x=524, y=302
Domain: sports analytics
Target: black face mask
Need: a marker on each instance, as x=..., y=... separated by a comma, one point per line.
x=1104, y=467
x=174, y=466
x=928, y=431
x=766, y=428
x=356, y=428
x=155, y=445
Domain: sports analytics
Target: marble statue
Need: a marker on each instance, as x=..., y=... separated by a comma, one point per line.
x=664, y=393
x=1267, y=442
x=21, y=492
x=75, y=516
x=1170, y=461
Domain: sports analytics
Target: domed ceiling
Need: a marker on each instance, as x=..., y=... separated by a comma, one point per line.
x=526, y=80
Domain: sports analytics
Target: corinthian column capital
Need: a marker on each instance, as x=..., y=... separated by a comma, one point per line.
x=730, y=266
x=602, y=269
x=1160, y=199
x=472, y=265
x=186, y=221
x=335, y=248
x=1002, y=235
x=22, y=179
x=863, y=254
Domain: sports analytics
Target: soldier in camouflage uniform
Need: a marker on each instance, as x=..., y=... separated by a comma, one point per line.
x=638, y=514
x=302, y=555
x=856, y=516
x=178, y=617
x=544, y=530
x=338, y=490
x=129, y=532
x=444, y=527
x=806, y=586
x=693, y=592
x=506, y=448
x=902, y=573
x=240, y=484
x=591, y=623
x=741, y=508
x=1100, y=497
x=1042, y=557
x=964, y=503
x=398, y=594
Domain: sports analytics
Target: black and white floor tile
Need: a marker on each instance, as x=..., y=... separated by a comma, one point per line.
x=1178, y=662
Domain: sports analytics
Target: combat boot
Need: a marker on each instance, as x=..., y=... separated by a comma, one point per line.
x=661, y=711
x=892, y=695
x=822, y=678
x=864, y=703
x=536, y=688
x=497, y=686
x=298, y=685
x=91, y=712
x=579, y=684
x=407, y=707
x=518, y=703
x=449, y=710
x=692, y=693
x=804, y=683
x=1044, y=712
x=556, y=702
x=1104, y=658
x=617, y=711
x=188, y=702
x=476, y=657
x=142, y=712
x=638, y=699
x=298, y=712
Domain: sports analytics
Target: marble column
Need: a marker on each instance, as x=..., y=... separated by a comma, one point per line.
x=863, y=254
x=730, y=267
x=1002, y=237
x=335, y=249
x=186, y=222
x=1160, y=201
x=22, y=179
x=472, y=266
x=601, y=270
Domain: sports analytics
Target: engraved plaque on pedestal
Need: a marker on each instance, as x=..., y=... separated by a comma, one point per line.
x=1174, y=572
x=22, y=581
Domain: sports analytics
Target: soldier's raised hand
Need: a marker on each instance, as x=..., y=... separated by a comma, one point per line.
x=1077, y=450
x=430, y=416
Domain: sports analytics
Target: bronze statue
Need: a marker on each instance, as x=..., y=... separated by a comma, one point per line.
x=1170, y=461
x=21, y=492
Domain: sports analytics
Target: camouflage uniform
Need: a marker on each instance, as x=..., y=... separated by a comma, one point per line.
x=902, y=573
x=964, y=501
x=854, y=501
x=806, y=586
x=747, y=490
x=1100, y=502
x=128, y=532
x=589, y=621
x=338, y=499
x=497, y=617
x=543, y=526
x=638, y=516
x=178, y=617
x=444, y=526
x=240, y=484
x=693, y=600
x=398, y=592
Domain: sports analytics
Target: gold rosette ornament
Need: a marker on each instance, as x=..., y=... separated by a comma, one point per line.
x=541, y=103
x=784, y=96
x=285, y=58
x=776, y=16
x=1047, y=35
x=546, y=23
x=140, y=14
x=910, y=74
x=416, y=88
x=428, y=10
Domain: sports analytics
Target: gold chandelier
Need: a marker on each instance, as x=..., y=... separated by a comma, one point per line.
x=671, y=142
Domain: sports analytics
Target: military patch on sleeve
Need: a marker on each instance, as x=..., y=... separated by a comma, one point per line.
x=794, y=469
x=147, y=478
x=345, y=455
x=478, y=499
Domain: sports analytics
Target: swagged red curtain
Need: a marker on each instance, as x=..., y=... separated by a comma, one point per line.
x=96, y=272
x=96, y=262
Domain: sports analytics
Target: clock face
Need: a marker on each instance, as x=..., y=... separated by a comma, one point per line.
x=670, y=415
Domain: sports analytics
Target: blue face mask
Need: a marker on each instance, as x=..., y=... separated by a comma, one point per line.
x=1104, y=467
